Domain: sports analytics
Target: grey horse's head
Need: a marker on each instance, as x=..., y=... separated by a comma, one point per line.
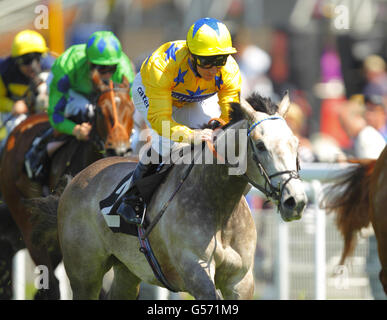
x=271, y=153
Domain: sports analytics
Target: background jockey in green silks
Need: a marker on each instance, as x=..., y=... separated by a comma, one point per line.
x=71, y=88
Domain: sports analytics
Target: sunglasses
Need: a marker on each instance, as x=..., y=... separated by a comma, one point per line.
x=104, y=69
x=207, y=62
x=28, y=58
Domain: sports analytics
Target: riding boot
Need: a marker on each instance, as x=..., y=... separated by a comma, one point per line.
x=127, y=207
x=37, y=157
x=35, y=162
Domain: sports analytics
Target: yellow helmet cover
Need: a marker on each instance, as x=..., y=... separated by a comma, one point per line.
x=28, y=41
x=209, y=37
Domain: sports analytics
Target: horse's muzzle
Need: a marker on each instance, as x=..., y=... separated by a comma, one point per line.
x=293, y=203
x=118, y=151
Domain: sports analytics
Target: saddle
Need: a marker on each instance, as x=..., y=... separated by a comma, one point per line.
x=36, y=159
x=143, y=191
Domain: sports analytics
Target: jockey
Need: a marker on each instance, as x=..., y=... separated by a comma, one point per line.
x=18, y=73
x=71, y=89
x=184, y=84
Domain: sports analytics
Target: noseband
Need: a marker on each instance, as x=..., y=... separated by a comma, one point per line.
x=270, y=191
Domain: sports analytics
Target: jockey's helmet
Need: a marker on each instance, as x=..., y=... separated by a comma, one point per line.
x=28, y=41
x=209, y=37
x=103, y=48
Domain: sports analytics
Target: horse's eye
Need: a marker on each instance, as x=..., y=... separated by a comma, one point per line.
x=261, y=146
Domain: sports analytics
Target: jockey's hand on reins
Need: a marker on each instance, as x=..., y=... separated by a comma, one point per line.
x=198, y=136
x=214, y=124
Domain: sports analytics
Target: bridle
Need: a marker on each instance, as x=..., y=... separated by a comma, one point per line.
x=269, y=190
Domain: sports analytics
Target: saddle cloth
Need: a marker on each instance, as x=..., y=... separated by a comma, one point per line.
x=144, y=188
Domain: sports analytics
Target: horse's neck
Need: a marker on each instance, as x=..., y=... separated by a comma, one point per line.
x=214, y=188
x=210, y=191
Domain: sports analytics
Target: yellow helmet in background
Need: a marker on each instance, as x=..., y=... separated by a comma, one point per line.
x=209, y=37
x=28, y=41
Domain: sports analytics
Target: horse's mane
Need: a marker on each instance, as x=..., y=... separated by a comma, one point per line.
x=258, y=102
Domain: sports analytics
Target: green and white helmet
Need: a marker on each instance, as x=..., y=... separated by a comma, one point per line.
x=103, y=48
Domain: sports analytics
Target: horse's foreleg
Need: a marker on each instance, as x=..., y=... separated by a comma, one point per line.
x=238, y=287
x=198, y=279
x=125, y=284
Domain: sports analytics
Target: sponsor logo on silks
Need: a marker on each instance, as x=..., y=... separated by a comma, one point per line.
x=188, y=98
x=143, y=96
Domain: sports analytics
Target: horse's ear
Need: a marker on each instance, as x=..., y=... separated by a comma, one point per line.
x=125, y=83
x=283, y=106
x=98, y=83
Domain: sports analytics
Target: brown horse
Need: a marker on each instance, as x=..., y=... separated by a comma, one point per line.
x=112, y=125
x=360, y=198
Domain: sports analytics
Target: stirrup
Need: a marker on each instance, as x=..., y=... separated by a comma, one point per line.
x=35, y=168
x=127, y=212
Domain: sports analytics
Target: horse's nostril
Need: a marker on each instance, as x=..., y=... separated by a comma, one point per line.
x=290, y=203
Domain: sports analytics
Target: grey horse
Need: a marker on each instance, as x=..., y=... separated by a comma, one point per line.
x=206, y=239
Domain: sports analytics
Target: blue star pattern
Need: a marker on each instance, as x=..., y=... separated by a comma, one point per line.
x=198, y=92
x=101, y=45
x=171, y=52
x=212, y=23
x=147, y=59
x=180, y=77
x=91, y=41
x=218, y=81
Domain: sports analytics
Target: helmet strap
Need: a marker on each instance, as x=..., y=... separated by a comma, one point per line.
x=194, y=65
